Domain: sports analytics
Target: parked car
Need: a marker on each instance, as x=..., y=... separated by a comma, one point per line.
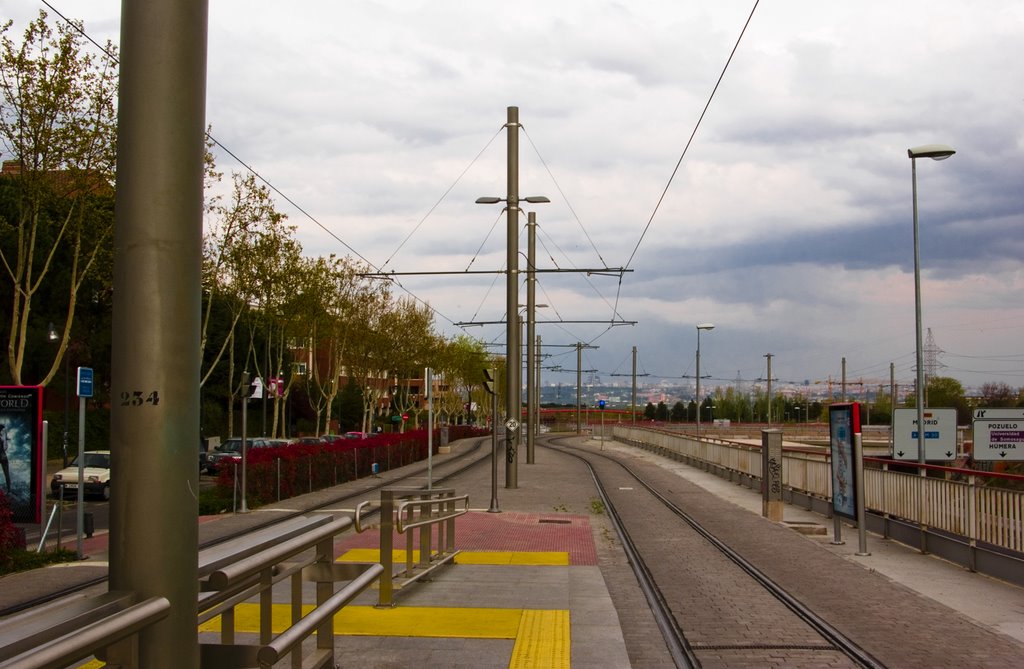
x=230, y=451
x=309, y=441
x=359, y=435
x=96, y=473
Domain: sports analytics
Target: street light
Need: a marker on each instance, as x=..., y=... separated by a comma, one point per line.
x=700, y=326
x=935, y=152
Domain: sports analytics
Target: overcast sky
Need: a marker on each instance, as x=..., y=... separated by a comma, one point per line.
x=788, y=225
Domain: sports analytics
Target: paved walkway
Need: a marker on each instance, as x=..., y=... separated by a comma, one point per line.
x=536, y=582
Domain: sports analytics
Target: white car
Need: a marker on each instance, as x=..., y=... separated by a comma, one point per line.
x=97, y=476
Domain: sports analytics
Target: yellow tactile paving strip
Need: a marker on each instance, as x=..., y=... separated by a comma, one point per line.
x=541, y=636
x=542, y=641
x=518, y=558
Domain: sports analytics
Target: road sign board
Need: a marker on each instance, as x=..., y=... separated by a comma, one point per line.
x=85, y=382
x=939, y=434
x=512, y=424
x=998, y=412
x=999, y=439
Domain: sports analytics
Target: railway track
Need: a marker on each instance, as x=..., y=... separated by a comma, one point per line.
x=711, y=605
x=460, y=463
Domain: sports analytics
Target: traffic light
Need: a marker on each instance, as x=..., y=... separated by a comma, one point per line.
x=489, y=385
x=600, y=404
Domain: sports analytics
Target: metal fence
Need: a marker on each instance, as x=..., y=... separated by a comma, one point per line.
x=964, y=503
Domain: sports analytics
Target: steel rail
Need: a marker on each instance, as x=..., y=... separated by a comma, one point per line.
x=838, y=640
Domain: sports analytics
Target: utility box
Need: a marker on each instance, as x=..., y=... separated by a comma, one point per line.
x=771, y=475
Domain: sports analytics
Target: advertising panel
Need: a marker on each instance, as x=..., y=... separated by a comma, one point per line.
x=21, y=450
x=843, y=424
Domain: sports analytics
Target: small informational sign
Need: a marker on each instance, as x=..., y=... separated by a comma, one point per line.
x=511, y=425
x=999, y=439
x=998, y=412
x=939, y=434
x=843, y=424
x=21, y=450
x=85, y=382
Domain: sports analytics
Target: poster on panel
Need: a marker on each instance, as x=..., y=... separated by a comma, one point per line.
x=21, y=450
x=843, y=423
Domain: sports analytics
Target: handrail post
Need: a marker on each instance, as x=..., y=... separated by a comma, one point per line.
x=972, y=522
x=426, y=532
x=387, y=513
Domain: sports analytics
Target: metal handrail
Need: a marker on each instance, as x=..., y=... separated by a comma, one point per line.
x=89, y=639
x=401, y=527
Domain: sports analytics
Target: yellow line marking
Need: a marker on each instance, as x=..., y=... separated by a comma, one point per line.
x=519, y=558
x=412, y=621
x=543, y=641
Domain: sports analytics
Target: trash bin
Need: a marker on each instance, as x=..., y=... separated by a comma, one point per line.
x=88, y=524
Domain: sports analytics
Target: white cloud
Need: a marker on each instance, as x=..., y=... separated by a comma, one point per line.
x=789, y=220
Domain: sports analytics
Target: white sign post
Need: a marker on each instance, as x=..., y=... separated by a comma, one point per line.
x=939, y=434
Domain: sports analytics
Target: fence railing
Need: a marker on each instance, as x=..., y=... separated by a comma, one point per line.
x=963, y=502
x=412, y=511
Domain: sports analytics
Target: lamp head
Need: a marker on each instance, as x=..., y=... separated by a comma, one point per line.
x=51, y=333
x=933, y=151
x=705, y=326
x=536, y=199
x=489, y=200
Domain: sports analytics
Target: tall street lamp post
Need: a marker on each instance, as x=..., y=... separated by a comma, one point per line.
x=701, y=326
x=512, y=386
x=935, y=152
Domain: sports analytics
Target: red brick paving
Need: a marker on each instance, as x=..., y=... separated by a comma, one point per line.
x=507, y=531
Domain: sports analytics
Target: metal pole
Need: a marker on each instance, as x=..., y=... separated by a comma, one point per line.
x=494, y=454
x=512, y=387
x=917, y=323
x=156, y=321
x=892, y=403
x=531, y=327
x=858, y=462
x=67, y=402
x=843, y=386
x=769, y=357
x=579, y=380
x=633, y=404
x=428, y=380
x=245, y=441
x=80, y=502
x=536, y=396
x=698, y=383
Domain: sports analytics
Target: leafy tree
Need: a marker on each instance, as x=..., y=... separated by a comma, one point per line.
x=944, y=391
x=649, y=412
x=57, y=121
x=679, y=411
x=999, y=395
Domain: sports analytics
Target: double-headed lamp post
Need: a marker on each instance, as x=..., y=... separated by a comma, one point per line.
x=700, y=326
x=935, y=152
x=512, y=361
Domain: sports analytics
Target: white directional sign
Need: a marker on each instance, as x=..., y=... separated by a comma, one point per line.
x=998, y=413
x=939, y=434
x=999, y=439
x=512, y=425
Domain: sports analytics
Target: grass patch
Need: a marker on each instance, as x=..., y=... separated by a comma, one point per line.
x=596, y=506
x=25, y=560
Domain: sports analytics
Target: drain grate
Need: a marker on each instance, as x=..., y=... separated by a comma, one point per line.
x=555, y=521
